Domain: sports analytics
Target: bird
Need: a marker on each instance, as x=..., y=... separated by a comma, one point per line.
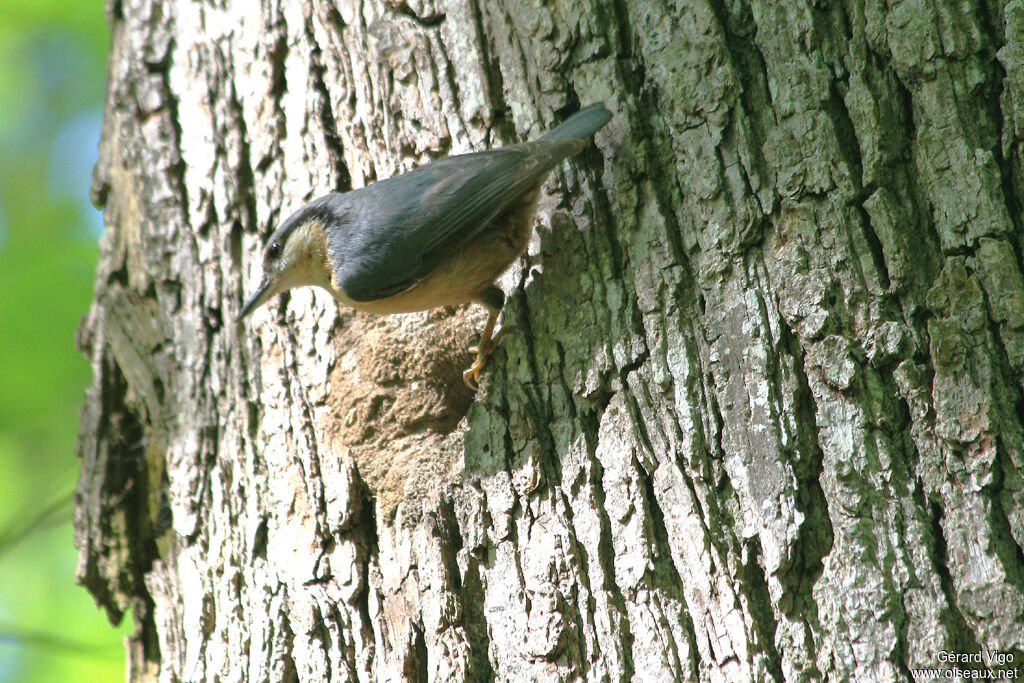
x=439, y=235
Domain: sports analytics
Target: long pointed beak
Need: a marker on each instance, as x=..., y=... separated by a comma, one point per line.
x=265, y=291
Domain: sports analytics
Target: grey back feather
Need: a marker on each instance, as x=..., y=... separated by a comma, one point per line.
x=394, y=232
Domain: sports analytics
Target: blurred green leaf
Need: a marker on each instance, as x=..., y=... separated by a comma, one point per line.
x=84, y=19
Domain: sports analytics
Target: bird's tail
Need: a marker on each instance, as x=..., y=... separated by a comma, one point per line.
x=580, y=125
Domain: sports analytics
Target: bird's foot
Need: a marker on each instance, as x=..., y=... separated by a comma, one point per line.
x=472, y=376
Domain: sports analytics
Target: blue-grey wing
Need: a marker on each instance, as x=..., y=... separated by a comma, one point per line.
x=409, y=224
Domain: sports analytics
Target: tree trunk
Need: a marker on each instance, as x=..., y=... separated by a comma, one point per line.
x=759, y=415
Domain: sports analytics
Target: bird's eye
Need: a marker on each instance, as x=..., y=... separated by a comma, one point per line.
x=274, y=249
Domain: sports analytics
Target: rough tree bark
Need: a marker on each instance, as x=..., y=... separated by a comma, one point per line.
x=761, y=413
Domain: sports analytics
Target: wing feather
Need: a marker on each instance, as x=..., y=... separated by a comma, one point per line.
x=409, y=224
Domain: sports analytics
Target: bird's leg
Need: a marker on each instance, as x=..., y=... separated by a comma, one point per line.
x=492, y=299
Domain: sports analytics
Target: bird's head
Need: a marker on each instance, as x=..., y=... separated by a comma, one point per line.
x=296, y=254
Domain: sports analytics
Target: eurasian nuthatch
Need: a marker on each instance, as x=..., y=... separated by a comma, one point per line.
x=437, y=236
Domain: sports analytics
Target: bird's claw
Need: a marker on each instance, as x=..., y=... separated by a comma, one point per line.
x=472, y=376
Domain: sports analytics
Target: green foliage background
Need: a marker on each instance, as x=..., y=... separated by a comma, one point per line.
x=52, y=61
